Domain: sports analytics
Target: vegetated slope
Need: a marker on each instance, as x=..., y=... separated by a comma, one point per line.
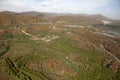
x=99, y=41
x=75, y=55
x=32, y=17
x=80, y=19
x=17, y=19
x=70, y=54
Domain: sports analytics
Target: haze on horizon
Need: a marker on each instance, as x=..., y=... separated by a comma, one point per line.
x=108, y=8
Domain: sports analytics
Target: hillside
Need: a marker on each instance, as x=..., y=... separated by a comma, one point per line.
x=8, y=17
x=63, y=47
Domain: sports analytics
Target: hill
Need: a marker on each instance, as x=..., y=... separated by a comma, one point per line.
x=58, y=47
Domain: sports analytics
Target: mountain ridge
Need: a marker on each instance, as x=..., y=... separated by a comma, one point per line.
x=35, y=13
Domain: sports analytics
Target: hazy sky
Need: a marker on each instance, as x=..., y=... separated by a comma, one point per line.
x=109, y=8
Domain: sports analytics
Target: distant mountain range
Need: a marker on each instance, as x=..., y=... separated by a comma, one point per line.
x=34, y=13
x=8, y=17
